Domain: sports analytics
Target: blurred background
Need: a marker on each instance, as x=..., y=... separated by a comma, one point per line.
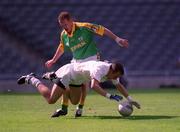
x=30, y=35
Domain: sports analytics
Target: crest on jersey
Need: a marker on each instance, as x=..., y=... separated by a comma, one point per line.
x=80, y=39
x=67, y=42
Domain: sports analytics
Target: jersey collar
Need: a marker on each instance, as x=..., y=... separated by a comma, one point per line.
x=73, y=29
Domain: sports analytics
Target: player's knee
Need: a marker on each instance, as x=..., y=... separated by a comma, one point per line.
x=51, y=101
x=74, y=102
x=74, y=99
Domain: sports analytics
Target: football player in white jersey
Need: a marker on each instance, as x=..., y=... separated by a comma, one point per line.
x=77, y=74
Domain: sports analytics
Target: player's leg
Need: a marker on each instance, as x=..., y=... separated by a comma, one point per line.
x=85, y=87
x=75, y=94
x=56, y=93
x=79, y=108
x=51, y=96
x=64, y=107
x=64, y=110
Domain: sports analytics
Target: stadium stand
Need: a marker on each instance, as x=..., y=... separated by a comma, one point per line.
x=16, y=59
x=151, y=26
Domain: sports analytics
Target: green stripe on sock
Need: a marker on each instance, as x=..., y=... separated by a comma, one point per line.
x=65, y=107
x=80, y=106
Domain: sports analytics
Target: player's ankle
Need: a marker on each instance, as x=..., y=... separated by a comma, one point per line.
x=64, y=107
x=80, y=106
x=34, y=81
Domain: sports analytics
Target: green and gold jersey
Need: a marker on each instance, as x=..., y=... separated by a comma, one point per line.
x=80, y=42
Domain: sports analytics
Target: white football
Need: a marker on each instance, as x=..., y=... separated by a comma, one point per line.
x=125, y=109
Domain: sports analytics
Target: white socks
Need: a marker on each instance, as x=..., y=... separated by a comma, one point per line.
x=34, y=81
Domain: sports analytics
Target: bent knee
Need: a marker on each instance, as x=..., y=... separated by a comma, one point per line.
x=74, y=102
x=51, y=101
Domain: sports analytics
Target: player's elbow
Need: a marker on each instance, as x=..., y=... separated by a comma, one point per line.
x=94, y=86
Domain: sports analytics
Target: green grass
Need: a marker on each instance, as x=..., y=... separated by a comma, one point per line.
x=30, y=113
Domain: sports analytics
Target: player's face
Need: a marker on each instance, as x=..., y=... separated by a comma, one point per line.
x=66, y=25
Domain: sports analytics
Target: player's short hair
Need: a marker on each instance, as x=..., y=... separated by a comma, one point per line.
x=117, y=67
x=64, y=15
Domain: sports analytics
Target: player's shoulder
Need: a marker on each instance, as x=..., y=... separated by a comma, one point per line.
x=103, y=65
x=83, y=24
x=98, y=63
x=103, y=62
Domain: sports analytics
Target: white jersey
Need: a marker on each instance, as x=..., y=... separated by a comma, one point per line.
x=78, y=73
x=91, y=58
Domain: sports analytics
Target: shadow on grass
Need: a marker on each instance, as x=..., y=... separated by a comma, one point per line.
x=135, y=117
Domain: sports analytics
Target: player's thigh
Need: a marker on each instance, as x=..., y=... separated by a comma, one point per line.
x=85, y=86
x=56, y=93
x=75, y=94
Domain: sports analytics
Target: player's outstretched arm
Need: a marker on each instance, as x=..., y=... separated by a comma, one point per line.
x=124, y=92
x=122, y=42
x=95, y=85
x=56, y=56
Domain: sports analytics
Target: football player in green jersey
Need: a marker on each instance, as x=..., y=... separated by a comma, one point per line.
x=77, y=37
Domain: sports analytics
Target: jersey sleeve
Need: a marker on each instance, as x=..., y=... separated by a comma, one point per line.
x=61, y=37
x=98, y=29
x=61, y=47
x=97, y=74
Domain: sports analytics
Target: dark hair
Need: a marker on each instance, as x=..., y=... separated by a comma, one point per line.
x=64, y=15
x=117, y=67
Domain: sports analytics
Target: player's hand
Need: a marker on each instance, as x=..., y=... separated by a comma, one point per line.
x=116, y=97
x=122, y=42
x=49, y=63
x=136, y=104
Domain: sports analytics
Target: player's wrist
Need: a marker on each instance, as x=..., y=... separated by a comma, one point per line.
x=117, y=39
x=129, y=98
x=108, y=95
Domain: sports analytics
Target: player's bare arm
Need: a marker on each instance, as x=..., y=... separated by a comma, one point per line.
x=124, y=92
x=56, y=56
x=95, y=85
x=122, y=42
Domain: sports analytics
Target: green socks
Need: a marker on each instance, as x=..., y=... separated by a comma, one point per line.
x=65, y=107
x=80, y=106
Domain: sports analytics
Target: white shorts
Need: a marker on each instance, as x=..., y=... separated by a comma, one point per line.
x=95, y=58
x=64, y=74
x=65, y=71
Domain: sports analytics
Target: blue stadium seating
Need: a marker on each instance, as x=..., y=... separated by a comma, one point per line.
x=151, y=26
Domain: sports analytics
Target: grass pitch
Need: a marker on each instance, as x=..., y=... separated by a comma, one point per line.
x=30, y=113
